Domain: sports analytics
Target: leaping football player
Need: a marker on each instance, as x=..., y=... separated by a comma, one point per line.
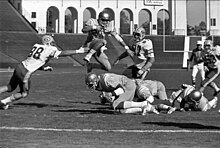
x=39, y=55
x=95, y=43
x=142, y=53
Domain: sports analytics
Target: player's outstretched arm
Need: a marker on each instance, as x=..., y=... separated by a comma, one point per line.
x=65, y=53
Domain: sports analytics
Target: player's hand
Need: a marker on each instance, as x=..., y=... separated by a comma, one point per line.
x=108, y=96
x=140, y=73
x=131, y=53
x=206, y=69
x=98, y=27
x=202, y=89
x=48, y=68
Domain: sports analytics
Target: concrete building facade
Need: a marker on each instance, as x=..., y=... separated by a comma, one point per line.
x=68, y=16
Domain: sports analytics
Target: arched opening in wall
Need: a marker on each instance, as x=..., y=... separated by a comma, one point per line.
x=145, y=20
x=163, y=23
x=71, y=20
x=126, y=21
x=52, y=20
x=196, y=17
x=87, y=14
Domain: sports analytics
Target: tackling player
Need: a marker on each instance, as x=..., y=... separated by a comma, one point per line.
x=148, y=89
x=120, y=90
x=39, y=55
x=198, y=63
x=95, y=43
x=195, y=100
x=142, y=53
x=212, y=66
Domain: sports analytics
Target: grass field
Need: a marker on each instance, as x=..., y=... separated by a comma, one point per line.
x=61, y=112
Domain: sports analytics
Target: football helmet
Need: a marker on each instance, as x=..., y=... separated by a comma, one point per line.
x=47, y=40
x=139, y=33
x=104, y=18
x=208, y=43
x=91, y=81
x=195, y=95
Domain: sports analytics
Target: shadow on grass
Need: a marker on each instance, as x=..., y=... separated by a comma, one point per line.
x=100, y=110
x=38, y=105
x=184, y=125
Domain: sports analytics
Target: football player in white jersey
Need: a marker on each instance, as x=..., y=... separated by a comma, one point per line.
x=95, y=43
x=142, y=53
x=39, y=55
x=192, y=99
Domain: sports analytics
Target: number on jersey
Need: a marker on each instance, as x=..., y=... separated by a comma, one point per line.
x=36, y=52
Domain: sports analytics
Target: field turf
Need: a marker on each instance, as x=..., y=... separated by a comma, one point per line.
x=61, y=112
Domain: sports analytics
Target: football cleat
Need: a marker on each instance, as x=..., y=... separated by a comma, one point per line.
x=148, y=108
x=3, y=106
x=171, y=110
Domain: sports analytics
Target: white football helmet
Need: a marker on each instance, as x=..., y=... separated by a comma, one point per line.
x=47, y=40
x=139, y=33
x=208, y=44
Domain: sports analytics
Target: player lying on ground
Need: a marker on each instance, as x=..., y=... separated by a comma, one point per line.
x=39, y=55
x=141, y=52
x=148, y=89
x=190, y=98
x=212, y=66
x=120, y=91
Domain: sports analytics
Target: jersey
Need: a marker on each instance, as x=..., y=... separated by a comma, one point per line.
x=154, y=88
x=40, y=55
x=94, y=33
x=196, y=56
x=142, y=51
x=110, y=82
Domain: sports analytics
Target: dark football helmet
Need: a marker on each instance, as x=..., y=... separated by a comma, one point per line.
x=91, y=81
x=195, y=95
x=104, y=18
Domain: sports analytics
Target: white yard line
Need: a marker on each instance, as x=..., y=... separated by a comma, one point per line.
x=106, y=131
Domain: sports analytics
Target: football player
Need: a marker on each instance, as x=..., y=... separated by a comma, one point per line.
x=198, y=63
x=148, y=89
x=120, y=90
x=39, y=55
x=95, y=43
x=194, y=99
x=212, y=66
x=142, y=53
